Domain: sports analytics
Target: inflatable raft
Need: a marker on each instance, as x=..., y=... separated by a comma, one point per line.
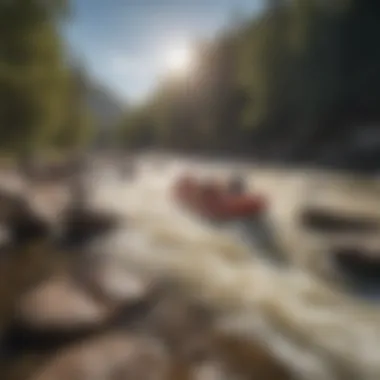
x=222, y=203
x=214, y=201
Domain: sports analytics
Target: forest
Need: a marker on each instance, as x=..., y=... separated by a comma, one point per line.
x=42, y=86
x=298, y=82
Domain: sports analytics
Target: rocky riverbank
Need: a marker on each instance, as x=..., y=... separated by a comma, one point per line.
x=116, y=324
x=68, y=313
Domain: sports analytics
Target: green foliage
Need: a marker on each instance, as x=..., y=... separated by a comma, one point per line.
x=34, y=78
x=300, y=72
x=137, y=129
x=77, y=124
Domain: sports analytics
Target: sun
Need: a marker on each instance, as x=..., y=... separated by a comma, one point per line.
x=179, y=60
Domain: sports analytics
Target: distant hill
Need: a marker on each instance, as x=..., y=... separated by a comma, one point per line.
x=107, y=110
x=104, y=105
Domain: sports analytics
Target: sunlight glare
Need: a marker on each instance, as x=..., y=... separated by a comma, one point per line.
x=179, y=60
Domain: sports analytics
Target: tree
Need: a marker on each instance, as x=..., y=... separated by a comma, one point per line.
x=32, y=73
x=295, y=79
x=76, y=127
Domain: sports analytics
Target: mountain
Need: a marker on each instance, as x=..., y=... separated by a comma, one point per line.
x=107, y=111
x=104, y=105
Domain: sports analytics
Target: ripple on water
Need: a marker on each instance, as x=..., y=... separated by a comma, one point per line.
x=319, y=332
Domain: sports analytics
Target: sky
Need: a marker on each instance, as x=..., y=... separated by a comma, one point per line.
x=124, y=43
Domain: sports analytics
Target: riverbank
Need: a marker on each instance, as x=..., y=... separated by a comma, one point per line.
x=67, y=313
x=358, y=169
x=278, y=322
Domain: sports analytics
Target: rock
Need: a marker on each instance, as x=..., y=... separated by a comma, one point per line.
x=115, y=284
x=5, y=236
x=81, y=225
x=45, y=214
x=183, y=324
x=59, y=304
x=357, y=263
x=114, y=356
x=50, y=199
x=28, y=227
x=327, y=221
x=22, y=221
x=249, y=359
x=201, y=352
x=20, y=268
x=183, y=344
x=212, y=370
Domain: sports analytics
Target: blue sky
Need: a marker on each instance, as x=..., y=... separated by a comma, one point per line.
x=124, y=42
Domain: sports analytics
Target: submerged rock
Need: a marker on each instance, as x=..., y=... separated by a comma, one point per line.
x=357, y=263
x=182, y=323
x=200, y=351
x=22, y=221
x=114, y=356
x=60, y=304
x=29, y=217
x=81, y=225
x=249, y=359
x=113, y=283
x=321, y=220
x=183, y=340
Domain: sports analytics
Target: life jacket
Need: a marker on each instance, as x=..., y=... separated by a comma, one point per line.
x=186, y=187
x=236, y=186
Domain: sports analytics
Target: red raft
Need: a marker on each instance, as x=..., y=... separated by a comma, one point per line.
x=213, y=200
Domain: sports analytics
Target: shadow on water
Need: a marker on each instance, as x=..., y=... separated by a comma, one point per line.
x=20, y=339
x=355, y=264
x=360, y=273
x=325, y=221
x=259, y=234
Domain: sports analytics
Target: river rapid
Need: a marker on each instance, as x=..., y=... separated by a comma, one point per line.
x=299, y=312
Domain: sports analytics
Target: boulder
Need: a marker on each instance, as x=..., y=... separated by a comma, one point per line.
x=357, y=263
x=114, y=356
x=182, y=323
x=114, y=283
x=23, y=222
x=249, y=359
x=326, y=221
x=60, y=304
x=81, y=225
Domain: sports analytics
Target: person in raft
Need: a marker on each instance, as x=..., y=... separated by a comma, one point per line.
x=127, y=169
x=237, y=186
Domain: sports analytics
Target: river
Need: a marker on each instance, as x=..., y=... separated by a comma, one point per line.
x=308, y=321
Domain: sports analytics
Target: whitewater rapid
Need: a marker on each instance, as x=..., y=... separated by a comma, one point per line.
x=309, y=323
